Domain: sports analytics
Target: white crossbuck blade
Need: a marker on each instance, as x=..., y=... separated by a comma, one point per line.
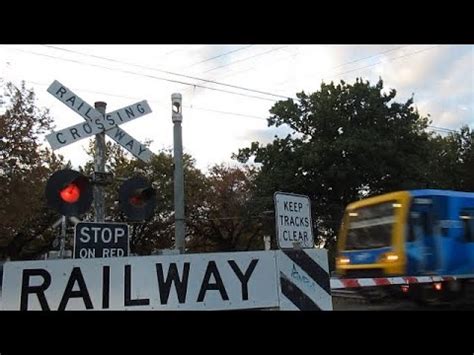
x=97, y=123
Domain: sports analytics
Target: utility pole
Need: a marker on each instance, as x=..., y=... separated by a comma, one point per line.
x=99, y=167
x=62, y=238
x=180, y=225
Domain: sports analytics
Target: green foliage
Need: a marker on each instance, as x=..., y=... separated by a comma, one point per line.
x=24, y=168
x=452, y=160
x=352, y=141
x=217, y=207
x=158, y=232
x=227, y=219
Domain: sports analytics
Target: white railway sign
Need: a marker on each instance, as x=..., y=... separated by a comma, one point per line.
x=293, y=221
x=97, y=123
x=100, y=240
x=284, y=279
x=216, y=281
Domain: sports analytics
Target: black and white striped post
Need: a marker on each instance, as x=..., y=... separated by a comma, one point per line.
x=304, y=280
x=302, y=270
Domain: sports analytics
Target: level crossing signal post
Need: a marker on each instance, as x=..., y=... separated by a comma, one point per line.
x=99, y=167
x=179, y=217
x=72, y=193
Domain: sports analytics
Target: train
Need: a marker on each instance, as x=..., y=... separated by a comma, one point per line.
x=424, y=232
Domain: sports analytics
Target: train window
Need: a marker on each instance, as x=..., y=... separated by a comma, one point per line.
x=426, y=223
x=422, y=201
x=411, y=233
x=371, y=226
x=420, y=224
x=414, y=217
x=467, y=218
x=424, y=208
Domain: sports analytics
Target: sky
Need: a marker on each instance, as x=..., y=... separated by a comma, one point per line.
x=218, y=119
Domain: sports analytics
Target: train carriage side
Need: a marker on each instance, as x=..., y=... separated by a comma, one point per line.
x=411, y=233
x=430, y=233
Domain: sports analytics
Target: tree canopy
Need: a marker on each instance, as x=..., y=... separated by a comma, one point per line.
x=24, y=169
x=350, y=141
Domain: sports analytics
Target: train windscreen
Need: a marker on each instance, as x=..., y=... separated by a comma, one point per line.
x=371, y=227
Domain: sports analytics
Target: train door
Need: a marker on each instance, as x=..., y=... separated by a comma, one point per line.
x=413, y=244
x=467, y=221
x=424, y=229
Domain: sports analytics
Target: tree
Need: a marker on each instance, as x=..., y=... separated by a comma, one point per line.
x=158, y=232
x=220, y=210
x=452, y=160
x=347, y=142
x=25, y=221
x=227, y=219
x=467, y=159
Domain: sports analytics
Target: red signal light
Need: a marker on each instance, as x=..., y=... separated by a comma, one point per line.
x=70, y=193
x=136, y=200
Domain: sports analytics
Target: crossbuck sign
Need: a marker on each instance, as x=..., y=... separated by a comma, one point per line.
x=97, y=123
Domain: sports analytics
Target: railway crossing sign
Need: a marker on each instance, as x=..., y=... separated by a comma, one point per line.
x=100, y=240
x=293, y=221
x=213, y=281
x=97, y=123
x=284, y=279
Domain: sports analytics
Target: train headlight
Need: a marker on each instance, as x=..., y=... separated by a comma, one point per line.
x=390, y=257
x=343, y=260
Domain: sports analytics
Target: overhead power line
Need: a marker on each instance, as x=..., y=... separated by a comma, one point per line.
x=202, y=86
x=247, y=58
x=443, y=129
x=353, y=61
x=166, y=72
x=144, y=75
x=370, y=56
x=192, y=107
x=219, y=56
x=436, y=128
x=338, y=66
x=253, y=67
x=389, y=60
x=196, y=85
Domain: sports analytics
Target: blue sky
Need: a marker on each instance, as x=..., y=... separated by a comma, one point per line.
x=216, y=124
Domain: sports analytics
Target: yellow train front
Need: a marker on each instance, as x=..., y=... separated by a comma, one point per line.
x=370, y=242
x=416, y=232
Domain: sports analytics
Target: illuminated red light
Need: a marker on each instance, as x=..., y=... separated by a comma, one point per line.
x=136, y=200
x=70, y=193
x=438, y=286
x=405, y=288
